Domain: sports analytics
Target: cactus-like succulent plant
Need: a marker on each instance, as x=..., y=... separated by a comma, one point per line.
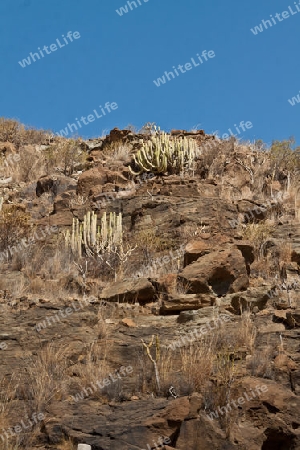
x=162, y=154
x=92, y=239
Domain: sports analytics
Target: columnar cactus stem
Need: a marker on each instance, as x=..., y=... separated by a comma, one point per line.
x=164, y=154
x=107, y=237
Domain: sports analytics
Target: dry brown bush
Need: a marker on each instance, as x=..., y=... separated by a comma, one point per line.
x=66, y=155
x=213, y=154
x=18, y=134
x=14, y=226
x=29, y=167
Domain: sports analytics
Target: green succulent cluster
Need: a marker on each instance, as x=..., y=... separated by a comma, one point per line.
x=165, y=154
x=92, y=239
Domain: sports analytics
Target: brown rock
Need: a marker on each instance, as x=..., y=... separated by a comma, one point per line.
x=280, y=314
x=247, y=250
x=177, y=410
x=89, y=179
x=118, y=135
x=255, y=297
x=55, y=184
x=128, y=323
x=293, y=318
x=220, y=272
x=139, y=289
x=203, y=434
x=185, y=302
x=166, y=284
x=194, y=250
x=283, y=362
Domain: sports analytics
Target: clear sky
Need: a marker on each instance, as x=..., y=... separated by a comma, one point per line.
x=118, y=57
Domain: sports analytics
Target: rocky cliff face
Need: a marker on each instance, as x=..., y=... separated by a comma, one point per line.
x=184, y=334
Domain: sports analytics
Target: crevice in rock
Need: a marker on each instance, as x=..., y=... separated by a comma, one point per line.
x=278, y=440
x=272, y=409
x=174, y=436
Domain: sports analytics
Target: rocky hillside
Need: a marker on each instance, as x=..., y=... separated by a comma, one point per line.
x=149, y=292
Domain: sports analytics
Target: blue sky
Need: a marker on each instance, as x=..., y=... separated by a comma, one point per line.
x=117, y=58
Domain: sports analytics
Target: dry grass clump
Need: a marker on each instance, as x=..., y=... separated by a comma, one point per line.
x=94, y=368
x=192, y=230
x=182, y=287
x=285, y=252
x=45, y=376
x=246, y=332
x=8, y=390
x=41, y=263
x=149, y=244
x=29, y=168
x=149, y=241
x=10, y=417
x=119, y=154
x=223, y=377
x=197, y=364
x=31, y=162
x=67, y=444
x=194, y=366
x=261, y=363
x=258, y=234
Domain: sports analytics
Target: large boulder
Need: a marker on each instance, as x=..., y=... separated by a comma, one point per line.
x=91, y=182
x=255, y=297
x=90, y=179
x=219, y=272
x=139, y=290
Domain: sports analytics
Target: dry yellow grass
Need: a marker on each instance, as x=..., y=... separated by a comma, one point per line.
x=45, y=376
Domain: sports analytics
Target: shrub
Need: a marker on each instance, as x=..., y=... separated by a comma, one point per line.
x=18, y=134
x=285, y=161
x=14, y=226
x=67, y=155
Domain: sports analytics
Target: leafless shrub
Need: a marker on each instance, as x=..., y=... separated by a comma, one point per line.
x=66, y=155
x=14, y=226
x=13, y=131
x=29, y=167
